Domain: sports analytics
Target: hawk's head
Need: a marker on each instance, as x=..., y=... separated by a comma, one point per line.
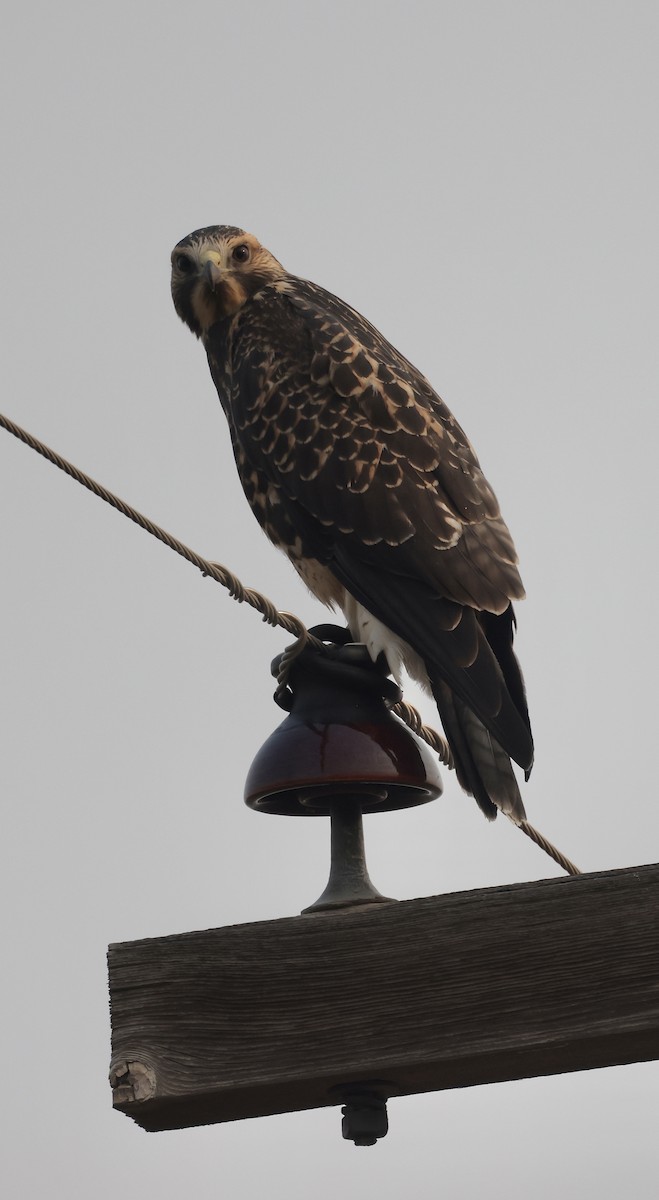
x=215, y=270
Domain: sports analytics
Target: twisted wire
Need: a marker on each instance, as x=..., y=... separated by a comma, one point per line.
x=270, y=613
x=544, y=844
x=221, y=574
x=412, y=717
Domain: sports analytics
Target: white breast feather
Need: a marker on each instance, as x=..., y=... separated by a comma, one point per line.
x=379, y=639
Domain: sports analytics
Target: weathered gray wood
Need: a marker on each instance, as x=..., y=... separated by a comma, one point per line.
x=449, y=991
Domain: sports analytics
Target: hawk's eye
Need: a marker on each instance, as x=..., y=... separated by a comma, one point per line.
x=240, y=253
x=184, y=264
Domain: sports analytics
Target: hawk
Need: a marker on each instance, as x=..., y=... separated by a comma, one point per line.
x=355, y=467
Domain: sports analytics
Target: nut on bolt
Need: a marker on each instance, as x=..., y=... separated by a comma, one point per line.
x=364, y=1117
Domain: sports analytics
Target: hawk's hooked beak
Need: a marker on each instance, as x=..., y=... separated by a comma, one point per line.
x=212, y=274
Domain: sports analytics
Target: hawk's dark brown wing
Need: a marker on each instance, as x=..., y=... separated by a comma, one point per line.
x=352, y=459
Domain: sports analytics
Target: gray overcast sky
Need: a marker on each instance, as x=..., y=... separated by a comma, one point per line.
x=480, y=179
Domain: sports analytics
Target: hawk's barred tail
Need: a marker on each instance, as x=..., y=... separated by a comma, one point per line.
x=483, y=768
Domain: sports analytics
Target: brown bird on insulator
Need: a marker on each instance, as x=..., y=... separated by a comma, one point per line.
x=356, y=469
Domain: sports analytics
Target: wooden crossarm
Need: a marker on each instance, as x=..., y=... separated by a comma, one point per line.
x=442, y=992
